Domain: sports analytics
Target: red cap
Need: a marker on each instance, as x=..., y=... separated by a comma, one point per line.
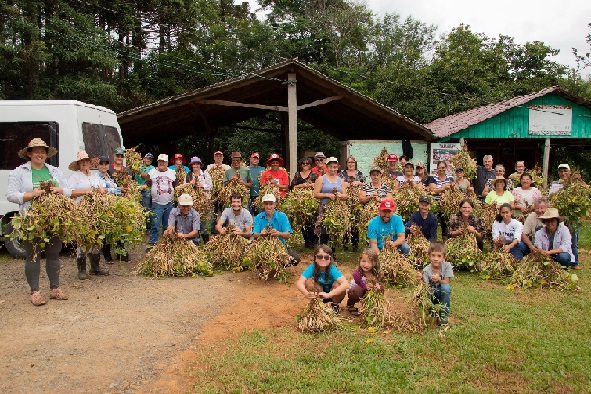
x=179, y=156
x=219, y=152
x=256, y=154
x=392, y=157
x=387, y=205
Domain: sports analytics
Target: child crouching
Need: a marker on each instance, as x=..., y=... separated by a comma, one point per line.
x=365, y=277
x=437, y=275
x=323, y=280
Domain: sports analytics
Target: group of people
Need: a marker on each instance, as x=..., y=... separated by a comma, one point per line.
x=328, y=182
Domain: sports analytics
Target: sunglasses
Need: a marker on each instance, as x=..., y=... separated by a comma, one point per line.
x=323, y=256
x=306, y=163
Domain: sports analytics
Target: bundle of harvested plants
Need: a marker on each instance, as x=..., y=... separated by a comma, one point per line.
x=133, y=160
x=268, y=255
x=488, y=213
x=407, y=200
x=181, y=175
x=496, y=265
x=381, y=160
x=227, y=251
x=48, y=216
x=268, y=188
x=174, y=256
x=217, y=179
x=300, y=206
x=419, y=245
x=396, y=270
x=463, y=252
x=336, y=219
x=537, y=270
x=201, y=201
x=463, y=160
x=318, y=317
x=375, y=309
x=231, y=187
x=573, y=201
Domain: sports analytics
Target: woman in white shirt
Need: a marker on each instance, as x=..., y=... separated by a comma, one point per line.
x=526, y=194
x=508, y=229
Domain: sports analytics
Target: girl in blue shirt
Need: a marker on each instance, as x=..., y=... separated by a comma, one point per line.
x=323, y=280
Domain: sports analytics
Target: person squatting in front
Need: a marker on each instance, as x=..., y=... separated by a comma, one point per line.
x=184, y=220
x=437, y=275
x=323, y=280
x=366, y=277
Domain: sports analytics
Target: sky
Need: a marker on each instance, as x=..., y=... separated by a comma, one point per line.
x=559, y=24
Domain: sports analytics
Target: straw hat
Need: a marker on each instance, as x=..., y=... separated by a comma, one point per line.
x=498, y=179
x=81, y=155
x=35, y=142
x=551, y=213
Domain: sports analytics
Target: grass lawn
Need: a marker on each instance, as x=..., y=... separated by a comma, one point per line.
x=518, y=341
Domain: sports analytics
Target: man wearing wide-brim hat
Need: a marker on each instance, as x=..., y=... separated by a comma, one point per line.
x=554, y=239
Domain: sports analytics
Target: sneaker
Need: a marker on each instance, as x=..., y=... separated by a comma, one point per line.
x=442, y=321
x=58, y=294
x=576, y=267
x=336, y=307
x=37, y=299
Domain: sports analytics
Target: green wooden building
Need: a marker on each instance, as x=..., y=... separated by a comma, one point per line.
x=522, y=128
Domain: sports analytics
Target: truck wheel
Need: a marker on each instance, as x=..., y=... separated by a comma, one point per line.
x=14, y=246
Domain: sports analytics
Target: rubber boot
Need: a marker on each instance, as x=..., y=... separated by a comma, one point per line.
x=107, y=253
x=95, y=267
x=205, y=238
x=81, y=263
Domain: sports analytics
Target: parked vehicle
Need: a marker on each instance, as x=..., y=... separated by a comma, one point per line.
x=68, y=126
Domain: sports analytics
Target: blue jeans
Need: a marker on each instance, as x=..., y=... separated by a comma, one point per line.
x=574, y=244
x=563, y=259
x=519, y=250
x=159, y=219
x=404, y=249
x=147, y=204
x=441, y=294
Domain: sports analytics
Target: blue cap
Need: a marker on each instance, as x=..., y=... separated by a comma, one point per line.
x=148, y=156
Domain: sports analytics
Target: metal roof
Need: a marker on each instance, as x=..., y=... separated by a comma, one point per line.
x=344, y=113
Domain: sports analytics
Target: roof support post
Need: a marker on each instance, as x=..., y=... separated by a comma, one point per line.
x=292, y=121
x=546, y=161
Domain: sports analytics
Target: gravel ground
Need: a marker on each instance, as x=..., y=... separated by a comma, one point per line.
x=114, y=335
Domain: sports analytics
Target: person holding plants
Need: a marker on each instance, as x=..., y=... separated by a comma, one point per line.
x=276, y=175
x=162, y=181
x=83, y=182
x=438, y=184
x=525, y=194
x=499, y=172
x=320, y=161
x=462, y=183
x=554, y=239
x=387, y=229
x=197, y=177
x=328, y=187
x=423, y=219
x=366, y=277
x=305, y=178
x=235, y=216
x=421, y=172
x=509, y=230
x=323, y=280
x=238, y=172
x=112, y=188
x=185, y=220
x=146, y=194
x=408, y=176
x=179, y=162
x=466, y=222
x=500, y=195
x=351, y=174
x=23, y=186
x=273, y=223
x=255, y=174
x=437, y=275
x=375, y=188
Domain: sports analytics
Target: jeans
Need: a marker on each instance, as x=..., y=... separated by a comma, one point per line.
x=147, y=204
x=404, y=249
x=574, y=244
x=519, y=250
x=159, y=219
x=563, y=259
x=441, y=294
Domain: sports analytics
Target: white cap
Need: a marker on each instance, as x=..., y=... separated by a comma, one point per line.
x=564, y=166
x=332, y=160
x=162, y=157
x=185, y=199
x=269, y=197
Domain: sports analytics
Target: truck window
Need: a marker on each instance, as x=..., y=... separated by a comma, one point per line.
x=100, y=140
x=16, y=135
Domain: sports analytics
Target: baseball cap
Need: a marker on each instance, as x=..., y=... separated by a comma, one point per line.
x=459, y=169
x=119, y=151
x=185, y=199
x=425, y=199
x=162, y=157
x=149, y=156
x=256, y=154
x=387, y=205
x=375, y=169
x=219, y=152
x=420, y=164
x=564, y=165
x=269, y=198
x=392, y=157
x=103, y=159
x=320, y=155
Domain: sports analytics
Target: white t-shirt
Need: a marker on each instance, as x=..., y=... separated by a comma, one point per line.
x=224, y=166
x=162, y=189
x=80, y=181
x=508, y=232
x=240, y=221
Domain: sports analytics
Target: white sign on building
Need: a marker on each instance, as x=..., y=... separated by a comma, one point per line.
x=550, y=120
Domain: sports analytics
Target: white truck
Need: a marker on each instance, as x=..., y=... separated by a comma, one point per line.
x=67, y=125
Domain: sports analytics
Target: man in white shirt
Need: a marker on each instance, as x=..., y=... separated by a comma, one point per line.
x=162, y=181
